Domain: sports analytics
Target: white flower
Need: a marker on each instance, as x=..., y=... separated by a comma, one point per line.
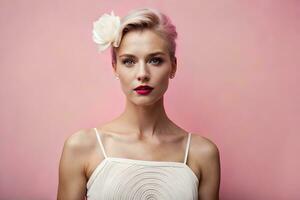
x=106, y=30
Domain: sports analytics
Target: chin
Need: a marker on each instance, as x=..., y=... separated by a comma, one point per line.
x=145, y=100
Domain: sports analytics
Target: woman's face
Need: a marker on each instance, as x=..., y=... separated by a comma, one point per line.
x=143, y=59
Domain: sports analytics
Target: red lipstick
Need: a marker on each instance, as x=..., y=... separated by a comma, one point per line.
x=143, y=89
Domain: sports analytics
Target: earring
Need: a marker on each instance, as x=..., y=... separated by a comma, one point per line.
x=172, y=76
x=117, y=77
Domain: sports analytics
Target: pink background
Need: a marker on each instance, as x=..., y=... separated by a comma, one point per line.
x=238, y=66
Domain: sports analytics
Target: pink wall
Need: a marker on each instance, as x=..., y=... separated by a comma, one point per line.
x=238, y=63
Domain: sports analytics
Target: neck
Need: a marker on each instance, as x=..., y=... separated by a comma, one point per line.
x=146, y=120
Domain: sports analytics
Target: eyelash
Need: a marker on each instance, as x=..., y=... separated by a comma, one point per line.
x=158, y=61
x=126, y=60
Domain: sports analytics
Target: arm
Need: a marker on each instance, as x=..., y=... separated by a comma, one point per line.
x=210, y=171
x=72, y=180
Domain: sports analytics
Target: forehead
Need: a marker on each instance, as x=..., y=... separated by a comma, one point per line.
x=140, y=42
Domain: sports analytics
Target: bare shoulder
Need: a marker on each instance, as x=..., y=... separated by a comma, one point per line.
x=72, y=166
x=204, y=149
x=80, y=141
x=204, y=144
x=206, y=155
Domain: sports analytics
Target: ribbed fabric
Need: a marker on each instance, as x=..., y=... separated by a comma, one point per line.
x=129, y=179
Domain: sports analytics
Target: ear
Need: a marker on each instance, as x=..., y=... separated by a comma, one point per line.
x=174, y=66
x=114, y=65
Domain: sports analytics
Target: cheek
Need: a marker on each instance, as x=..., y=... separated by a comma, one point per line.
x=165, y=83
x=162, y=82
x=126, y=83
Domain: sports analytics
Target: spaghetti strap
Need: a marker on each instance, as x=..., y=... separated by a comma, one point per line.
x=100, y=142
x=187, y=148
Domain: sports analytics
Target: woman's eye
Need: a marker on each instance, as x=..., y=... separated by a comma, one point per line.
x=128, y=62
x=156, y=61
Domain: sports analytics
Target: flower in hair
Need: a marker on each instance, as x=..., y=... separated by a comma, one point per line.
x=106, y=30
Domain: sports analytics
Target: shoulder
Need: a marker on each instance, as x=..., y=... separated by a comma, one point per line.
x=204, y=145
x=72, y=165
x=80, y=142
x=206, y=155
x=205, y=151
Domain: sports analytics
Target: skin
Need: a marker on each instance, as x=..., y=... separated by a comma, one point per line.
x=143, y=131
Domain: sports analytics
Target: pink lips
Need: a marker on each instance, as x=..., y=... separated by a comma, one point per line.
x=144, y=92
x=143, y=89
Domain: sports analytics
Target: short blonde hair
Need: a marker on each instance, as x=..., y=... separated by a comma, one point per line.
x=148, y=18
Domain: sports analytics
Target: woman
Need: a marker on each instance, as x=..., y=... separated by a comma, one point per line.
x=140, y=154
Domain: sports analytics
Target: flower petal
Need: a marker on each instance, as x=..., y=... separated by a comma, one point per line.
x=97, y=39
x=106, y=30
x=103, y=47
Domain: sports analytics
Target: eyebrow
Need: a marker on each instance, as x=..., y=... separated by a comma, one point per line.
x=150, y=55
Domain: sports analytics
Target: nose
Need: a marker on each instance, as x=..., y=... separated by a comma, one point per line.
x=143, y=74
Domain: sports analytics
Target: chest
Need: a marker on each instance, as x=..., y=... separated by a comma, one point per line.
x=144, y=149
x=118, y=178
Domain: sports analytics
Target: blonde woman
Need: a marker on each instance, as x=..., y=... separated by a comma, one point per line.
x=142, y=153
